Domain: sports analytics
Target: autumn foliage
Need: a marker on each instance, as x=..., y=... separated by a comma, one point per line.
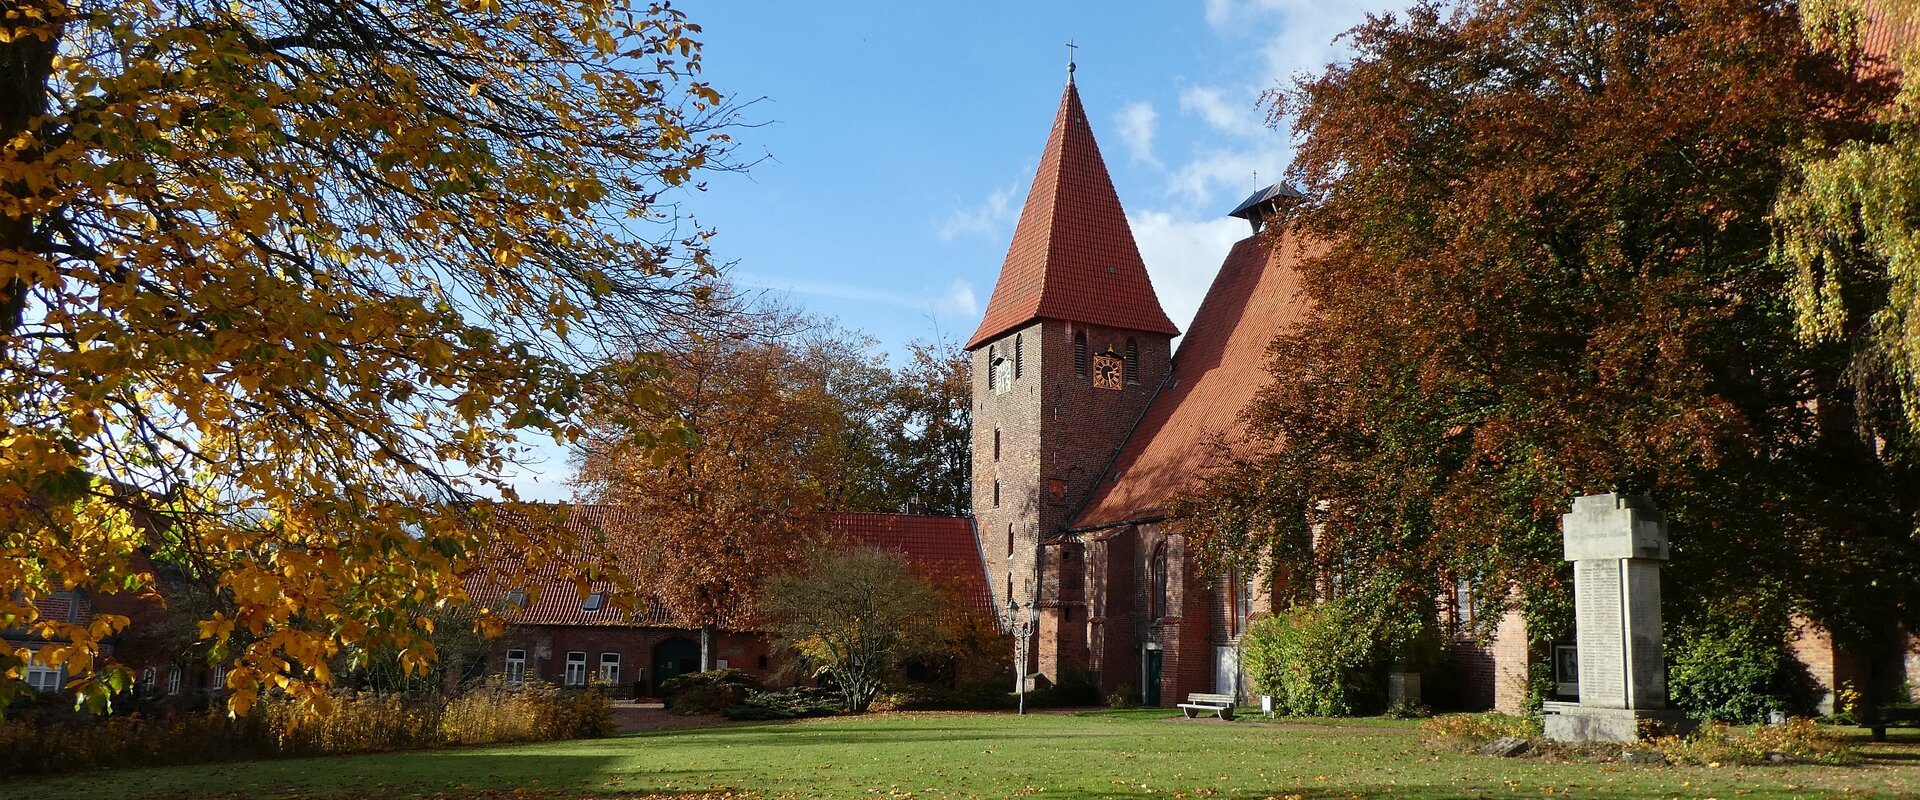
x=1549, y=272
x=282, y=285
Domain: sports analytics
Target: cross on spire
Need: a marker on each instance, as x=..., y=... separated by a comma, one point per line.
x=1070, y=48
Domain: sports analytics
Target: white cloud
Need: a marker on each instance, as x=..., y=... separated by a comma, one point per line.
x=1182, y=255
x=955, y=299
x=1237, y=115
x=958, y=300
x=1136, y=123
x=989, y=219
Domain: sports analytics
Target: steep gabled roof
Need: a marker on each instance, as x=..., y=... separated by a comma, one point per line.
x=1221, y=365
x=1073, y=256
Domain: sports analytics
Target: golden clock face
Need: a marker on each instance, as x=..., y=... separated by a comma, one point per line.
x=1106, y=371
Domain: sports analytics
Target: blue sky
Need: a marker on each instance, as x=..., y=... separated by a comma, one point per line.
x=900, y=139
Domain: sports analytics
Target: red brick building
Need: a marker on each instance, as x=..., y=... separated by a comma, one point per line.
x=559, y=637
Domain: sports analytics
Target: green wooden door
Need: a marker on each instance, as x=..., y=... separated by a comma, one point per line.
x=673, y=658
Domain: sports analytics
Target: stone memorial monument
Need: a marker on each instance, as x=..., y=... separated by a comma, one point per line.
x=1616, y=543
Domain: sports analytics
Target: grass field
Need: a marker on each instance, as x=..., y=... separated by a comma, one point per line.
x=1092, y=755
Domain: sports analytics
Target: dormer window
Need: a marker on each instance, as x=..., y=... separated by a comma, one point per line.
x=594, y=601
x=516, y=599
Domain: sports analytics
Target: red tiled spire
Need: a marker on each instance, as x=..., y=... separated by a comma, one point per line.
x=1073, y=255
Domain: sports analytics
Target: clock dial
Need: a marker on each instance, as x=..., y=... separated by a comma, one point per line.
x=1106, y=371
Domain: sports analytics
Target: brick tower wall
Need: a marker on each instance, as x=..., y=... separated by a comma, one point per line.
x=1013, y=412
x=1057, y=434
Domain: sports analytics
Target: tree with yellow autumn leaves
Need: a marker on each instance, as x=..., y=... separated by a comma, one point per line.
x=283, y=284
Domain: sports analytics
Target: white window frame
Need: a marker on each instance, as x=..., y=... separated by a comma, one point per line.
x=516, y=670
x=217, y=680
x=576, y=674
x=150, y=678
x=609, y=668
x=1464, y=607
x=173, y=681
x=42, y=678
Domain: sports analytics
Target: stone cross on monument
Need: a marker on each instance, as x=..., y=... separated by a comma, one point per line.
x=1616, y=543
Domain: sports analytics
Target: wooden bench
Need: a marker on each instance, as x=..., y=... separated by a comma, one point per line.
x=1220, y=705
x=1886, y=716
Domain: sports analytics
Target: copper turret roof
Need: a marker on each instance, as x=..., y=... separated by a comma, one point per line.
x=1073, y=255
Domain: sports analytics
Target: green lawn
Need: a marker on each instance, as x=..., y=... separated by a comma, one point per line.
x=1109, y=754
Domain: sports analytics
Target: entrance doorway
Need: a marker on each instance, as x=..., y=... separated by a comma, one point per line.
x=673, y=658
x=1150, y=676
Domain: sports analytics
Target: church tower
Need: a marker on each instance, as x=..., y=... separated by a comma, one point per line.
x=1073, y=347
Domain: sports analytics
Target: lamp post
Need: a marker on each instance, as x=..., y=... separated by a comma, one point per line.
x=1021, y=626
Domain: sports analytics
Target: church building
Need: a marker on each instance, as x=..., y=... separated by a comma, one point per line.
x=1087, y=422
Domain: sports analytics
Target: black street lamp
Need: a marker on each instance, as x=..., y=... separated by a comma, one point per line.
x=1021, y=626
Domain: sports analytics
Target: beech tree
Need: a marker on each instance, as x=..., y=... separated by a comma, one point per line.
x=282, y=283
x=1548, y=272
x=706, y=525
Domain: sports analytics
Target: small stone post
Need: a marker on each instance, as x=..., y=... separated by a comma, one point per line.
x=1616, y=543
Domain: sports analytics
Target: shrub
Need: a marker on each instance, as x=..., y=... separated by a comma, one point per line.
x=354, y=722
x=1316, y=661
x=992, y=695
x=1466, y=733
x=1124, y=697
x=1799, y=740
x=708, y=692
x=786, y=704
x=1734, y=666
x=1076, y=687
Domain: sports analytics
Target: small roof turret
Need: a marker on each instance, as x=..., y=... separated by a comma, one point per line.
x=1265, y=203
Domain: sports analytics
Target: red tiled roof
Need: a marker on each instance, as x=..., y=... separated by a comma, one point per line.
x=1221, y=364
x=942, y=550
x=1073, y=255
x=1886, y=29
x=557, y=600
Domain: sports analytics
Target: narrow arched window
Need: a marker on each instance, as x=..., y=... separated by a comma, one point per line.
x=996, y=444
x=1133, y=360
x=1019, y=356
x=1079, y=352
x=1009, y=542
x=1159, y=596
x=996, y=494
x=993, y=367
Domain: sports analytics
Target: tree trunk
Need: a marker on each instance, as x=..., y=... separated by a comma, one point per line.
x=708, y=634
x=26, y=65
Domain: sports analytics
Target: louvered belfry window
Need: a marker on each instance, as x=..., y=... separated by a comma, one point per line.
x=1079, y=352
x=1133, y=360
